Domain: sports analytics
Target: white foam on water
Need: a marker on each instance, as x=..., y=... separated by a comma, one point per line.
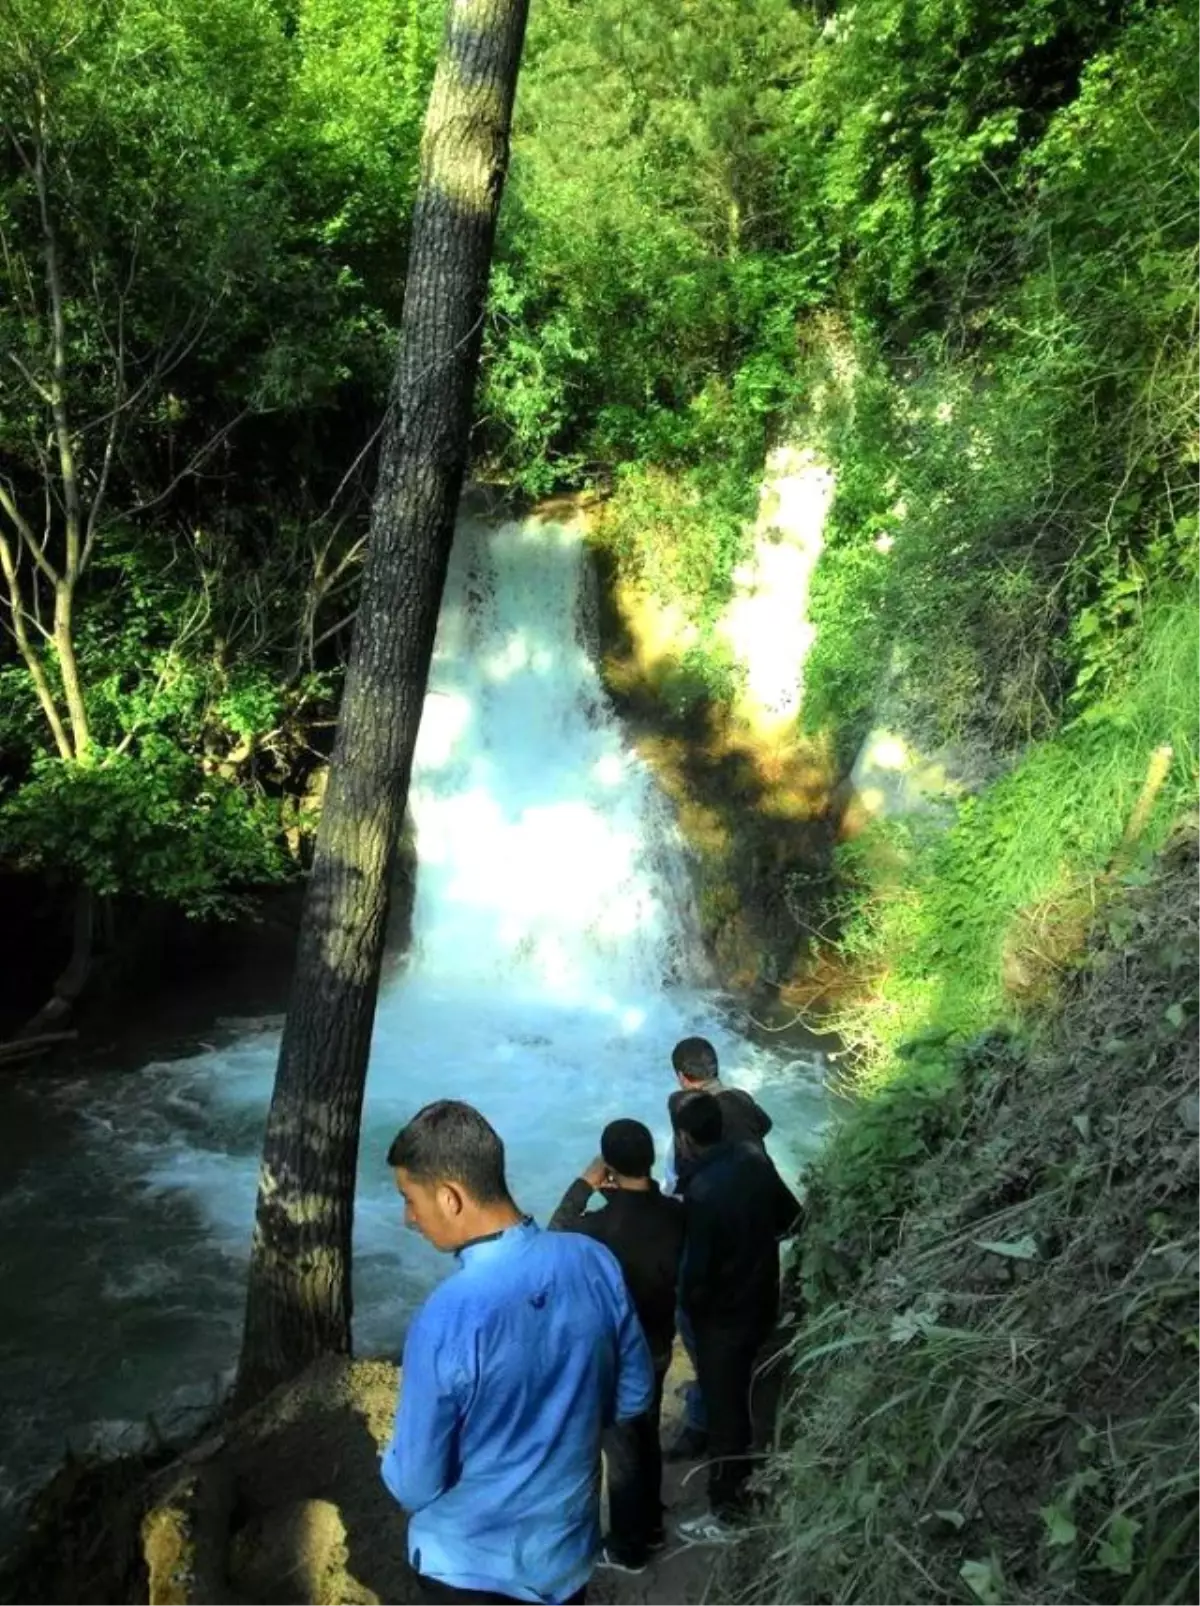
x=555, y=961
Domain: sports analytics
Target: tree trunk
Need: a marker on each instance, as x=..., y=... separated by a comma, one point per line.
x=64, y=647
x=74, y=977
x=299, y=1300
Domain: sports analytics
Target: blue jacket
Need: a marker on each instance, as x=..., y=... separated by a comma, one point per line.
x=512, y=1370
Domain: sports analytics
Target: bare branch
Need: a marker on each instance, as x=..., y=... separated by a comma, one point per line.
x=25, y=647
x=22, y=527
x=58, y=325
x=190, y=468
x=31, y=380
x=349, y=474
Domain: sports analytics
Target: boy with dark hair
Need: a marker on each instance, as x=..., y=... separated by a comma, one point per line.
x=737, y=1209
x=644, y=1230
x=513, y=1369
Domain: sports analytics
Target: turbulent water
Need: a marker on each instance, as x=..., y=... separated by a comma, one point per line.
x=554, y=963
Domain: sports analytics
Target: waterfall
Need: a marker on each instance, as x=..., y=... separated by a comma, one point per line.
x=548, y=859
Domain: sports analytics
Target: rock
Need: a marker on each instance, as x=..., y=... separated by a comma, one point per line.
x=284, y=1556
x=185, y=1535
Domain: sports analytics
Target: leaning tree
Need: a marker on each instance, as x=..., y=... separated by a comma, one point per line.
x=299, y=1299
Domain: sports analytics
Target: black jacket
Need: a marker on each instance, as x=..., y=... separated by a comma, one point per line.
x=737, y=1209
x=645, y=1232
x=742, y=1121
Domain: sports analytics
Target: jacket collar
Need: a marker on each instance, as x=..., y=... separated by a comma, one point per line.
x=494, y=1244
x=631, y=1197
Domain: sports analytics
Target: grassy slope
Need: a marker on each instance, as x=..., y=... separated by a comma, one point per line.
x=996, y=1403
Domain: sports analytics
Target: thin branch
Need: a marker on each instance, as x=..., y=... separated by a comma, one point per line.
x=21, y=525
x=31, y=380
x=25, y=647
x=348, y=475
x=189, y=468
x=58, y=325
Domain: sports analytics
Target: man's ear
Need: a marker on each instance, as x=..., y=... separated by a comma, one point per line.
x=450, y=1198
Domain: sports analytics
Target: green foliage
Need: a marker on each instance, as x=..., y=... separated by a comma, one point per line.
x=229, y=188
x=1010, y=494
x=935, y=909
x=153, y=826
x=643, y=304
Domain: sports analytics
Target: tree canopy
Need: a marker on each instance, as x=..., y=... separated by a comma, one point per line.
x=953, y=240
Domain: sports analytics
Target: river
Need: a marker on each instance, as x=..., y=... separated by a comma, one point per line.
x=555, y=961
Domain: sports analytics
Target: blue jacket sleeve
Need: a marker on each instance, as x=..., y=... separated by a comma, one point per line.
x=421, y=1462
x=635, y=1371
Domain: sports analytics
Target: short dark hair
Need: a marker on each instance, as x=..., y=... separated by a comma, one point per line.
x=627, y=1148
x=698, y=1117
x=695, y=1058
x=449, y=1141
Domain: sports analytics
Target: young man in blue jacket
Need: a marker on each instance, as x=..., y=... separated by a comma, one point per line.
x=513, y=1369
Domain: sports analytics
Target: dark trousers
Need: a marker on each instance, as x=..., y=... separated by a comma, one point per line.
x=725, y=1359
x=633, y=1451
x=435, y=1593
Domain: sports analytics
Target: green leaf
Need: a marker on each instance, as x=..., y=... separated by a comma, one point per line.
x=1060, y=1530
x=954, y=1518
x=1015, y=1249
x=1115, y=1554
x=985, y=1581
x=1174, y=1015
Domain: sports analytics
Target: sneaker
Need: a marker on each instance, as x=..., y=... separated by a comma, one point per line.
x=612, y=1561
x=690, y=1445
x=706, y=1529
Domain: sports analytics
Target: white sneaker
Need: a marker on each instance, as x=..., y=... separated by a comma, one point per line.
x=706, y=1529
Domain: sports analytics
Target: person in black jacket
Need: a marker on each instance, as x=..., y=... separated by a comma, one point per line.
x=644, y=1231
x=697, y=1070
x=736, y=1211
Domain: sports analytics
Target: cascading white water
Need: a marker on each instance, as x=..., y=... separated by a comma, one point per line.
x=547, y=857
x=554, y=964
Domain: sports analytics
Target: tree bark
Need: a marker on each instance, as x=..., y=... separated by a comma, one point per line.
x=299, y=1297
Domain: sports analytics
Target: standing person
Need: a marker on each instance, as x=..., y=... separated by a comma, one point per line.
x=513, y=1368
x=737, y=1209
x=697, y=1070
x=644, y=1230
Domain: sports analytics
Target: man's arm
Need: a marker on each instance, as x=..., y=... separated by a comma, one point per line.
x=419, y=1463
x=572, y=1213
x=760, y=1122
